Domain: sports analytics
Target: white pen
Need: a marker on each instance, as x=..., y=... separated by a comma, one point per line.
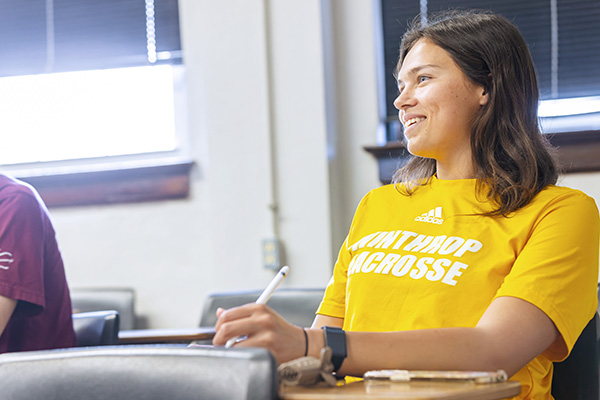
x=265, y=296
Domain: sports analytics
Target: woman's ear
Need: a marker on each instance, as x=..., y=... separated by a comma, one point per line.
x=483, y=97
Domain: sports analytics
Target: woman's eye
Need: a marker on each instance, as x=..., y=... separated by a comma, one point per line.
x=422, y=78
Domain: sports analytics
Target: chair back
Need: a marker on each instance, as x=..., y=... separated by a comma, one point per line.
x=154, y=372
x=297, y=306
x=576, y=378
x=96, y=328
x=121, y=299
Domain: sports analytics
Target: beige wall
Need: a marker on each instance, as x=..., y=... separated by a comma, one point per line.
x=298, y=77
x=588, y=182
x=256, y=79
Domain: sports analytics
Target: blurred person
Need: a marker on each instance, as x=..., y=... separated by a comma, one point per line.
x=35, y=305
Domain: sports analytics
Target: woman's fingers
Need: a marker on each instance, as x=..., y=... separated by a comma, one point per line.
x=232, y=314
x=237, y=321
x=261, y=327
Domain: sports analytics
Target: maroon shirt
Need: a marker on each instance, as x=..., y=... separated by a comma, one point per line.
x=31, y=272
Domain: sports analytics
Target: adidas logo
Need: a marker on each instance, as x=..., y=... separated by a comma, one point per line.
x=434, y=216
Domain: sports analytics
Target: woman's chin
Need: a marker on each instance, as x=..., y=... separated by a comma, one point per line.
x=420, y=152
x=414, y=148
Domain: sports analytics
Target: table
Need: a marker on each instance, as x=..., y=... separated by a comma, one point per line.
x=418, y=390
x=141, y=336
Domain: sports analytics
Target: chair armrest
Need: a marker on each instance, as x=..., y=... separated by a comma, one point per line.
x=141, y=336
x=149, y=372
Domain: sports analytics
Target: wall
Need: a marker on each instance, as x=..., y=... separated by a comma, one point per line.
x=588, y=182
x=256, y=81
x=294, y=76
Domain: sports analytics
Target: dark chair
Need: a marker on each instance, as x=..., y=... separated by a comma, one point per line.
x=576, y=378
x=297, y=306
x=155, y=372
x=96, y=328
x=121, y=299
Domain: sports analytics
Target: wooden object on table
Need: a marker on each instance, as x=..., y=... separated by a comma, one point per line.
x=145, y=336
x=421, y=390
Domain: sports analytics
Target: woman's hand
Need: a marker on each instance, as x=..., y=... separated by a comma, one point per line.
x=262, y=327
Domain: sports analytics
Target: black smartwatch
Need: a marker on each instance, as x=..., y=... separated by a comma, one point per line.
x=335, y=338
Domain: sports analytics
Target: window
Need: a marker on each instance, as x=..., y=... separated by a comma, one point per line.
x=87, y=114
x=564, y=40
x=88, y=85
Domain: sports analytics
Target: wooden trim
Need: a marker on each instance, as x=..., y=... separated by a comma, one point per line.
x=389, y=159
x=577, y=152
x=140, y=184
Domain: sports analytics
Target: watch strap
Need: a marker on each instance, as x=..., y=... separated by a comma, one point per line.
x=335, y=338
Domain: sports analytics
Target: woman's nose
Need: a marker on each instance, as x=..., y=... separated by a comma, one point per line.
x=404, y=99
x=397, y=102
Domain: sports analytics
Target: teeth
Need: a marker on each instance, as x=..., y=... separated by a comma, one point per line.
x=412, y=121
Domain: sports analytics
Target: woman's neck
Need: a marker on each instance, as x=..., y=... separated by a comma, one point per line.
x=461, y=168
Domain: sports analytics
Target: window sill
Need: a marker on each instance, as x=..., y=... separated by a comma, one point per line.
x=128, y=185
x=577, y=152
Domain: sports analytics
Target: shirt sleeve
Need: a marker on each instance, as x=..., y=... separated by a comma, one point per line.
x=557, y=270
x=21, y=249
x=334, y=300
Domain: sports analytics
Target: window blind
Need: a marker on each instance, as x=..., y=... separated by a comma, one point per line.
x=563, y=37
x=44, y=36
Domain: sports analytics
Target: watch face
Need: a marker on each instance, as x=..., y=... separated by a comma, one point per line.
x=335, y=338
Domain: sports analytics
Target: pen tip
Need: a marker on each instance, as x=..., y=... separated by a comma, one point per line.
x=284, y=270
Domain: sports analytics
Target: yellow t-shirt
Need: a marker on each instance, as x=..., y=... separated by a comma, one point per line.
x=430, y=261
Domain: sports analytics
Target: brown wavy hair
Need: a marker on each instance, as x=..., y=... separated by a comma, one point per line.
x=513, y=160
